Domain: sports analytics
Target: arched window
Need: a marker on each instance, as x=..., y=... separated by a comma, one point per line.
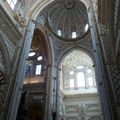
x=71, y=83
x=12, y=3
x=77, y=71
x=80, y=80
x=38, y=69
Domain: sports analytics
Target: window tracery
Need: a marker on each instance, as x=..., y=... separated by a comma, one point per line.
x=77, y=71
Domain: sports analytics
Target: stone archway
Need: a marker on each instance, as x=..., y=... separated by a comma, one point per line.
x=76, y=92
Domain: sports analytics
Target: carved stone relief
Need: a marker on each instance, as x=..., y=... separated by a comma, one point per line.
x=83, y=112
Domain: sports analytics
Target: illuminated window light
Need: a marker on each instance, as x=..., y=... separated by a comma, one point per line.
x=39, y=58
x=86, y=27
x=31, y=54
x=80, y=79
x=71, y=72
x=74, y=35
x=89, y=70
x=59, y=32
x=80, y=67
x=71, y=83
x=38, y=70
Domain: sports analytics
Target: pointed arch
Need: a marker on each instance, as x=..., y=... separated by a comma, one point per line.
x=77, y=71
x=70, y=49
x=48, y=46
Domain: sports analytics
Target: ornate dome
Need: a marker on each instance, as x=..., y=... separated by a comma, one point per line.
x=67, y=19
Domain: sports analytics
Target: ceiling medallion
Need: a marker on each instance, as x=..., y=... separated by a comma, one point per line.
x=69, y=4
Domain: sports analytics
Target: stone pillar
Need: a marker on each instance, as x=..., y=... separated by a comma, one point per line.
x=99, y=69
x=58, y=94
x=15, y=99
x=48, y=113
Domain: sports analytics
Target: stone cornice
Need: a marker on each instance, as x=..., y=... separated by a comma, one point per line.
x=9, y=29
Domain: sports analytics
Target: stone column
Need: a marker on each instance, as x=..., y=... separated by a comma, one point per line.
x=58, y=94
x=15, y=99
x=48, y=112
x=99, y=69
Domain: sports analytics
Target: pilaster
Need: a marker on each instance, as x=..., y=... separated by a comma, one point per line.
x=99, y=68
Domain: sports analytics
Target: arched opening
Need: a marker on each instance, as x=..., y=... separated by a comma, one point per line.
x=81, y=82
x=78, y=86
x=69, y=24
x=37, y=59
x=35, y=83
